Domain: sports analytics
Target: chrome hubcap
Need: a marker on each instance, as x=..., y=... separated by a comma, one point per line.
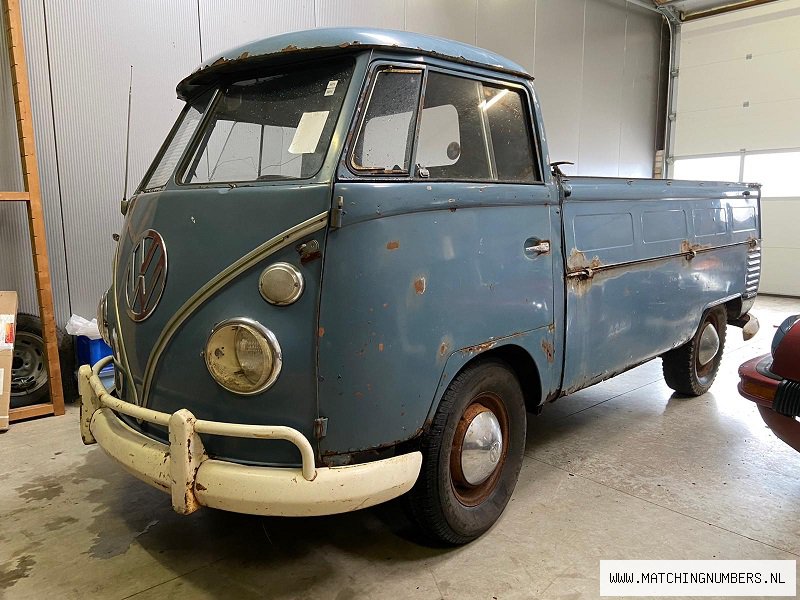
x=482, y=448
x=709, y=345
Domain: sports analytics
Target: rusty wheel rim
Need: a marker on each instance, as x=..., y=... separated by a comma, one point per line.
x=467, y=493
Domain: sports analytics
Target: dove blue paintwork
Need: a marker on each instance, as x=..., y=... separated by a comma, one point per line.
x=417, y=278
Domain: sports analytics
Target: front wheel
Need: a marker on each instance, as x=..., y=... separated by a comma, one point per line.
x=472, y=454
x=691, y=369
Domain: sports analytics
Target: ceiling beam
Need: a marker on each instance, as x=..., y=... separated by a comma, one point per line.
x=724, y=9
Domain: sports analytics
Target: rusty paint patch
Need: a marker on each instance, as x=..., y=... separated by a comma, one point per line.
x=692, y=249
x=548, y=350
x=577, y=261
x=243, y=55
x=393, y=245
x=385, y=305
x=478, y=348
x=200, y=487
x=380, y=347
x=579, y=286
x=307, y=258
x=551, y=328
x=419, y=285
x=359, y=395
x=444, y=348
x=321, y=331
x=290, y=48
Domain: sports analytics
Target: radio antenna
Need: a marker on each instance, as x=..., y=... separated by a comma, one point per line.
x=128, y=136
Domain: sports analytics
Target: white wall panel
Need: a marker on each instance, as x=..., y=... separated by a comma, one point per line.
x=558, y=70
x=91, y=53
x=386, y=14
x=639, y=105
x=601, y=93
x=452, y=19
x=225, y=24
x=759, y=79
x=512, y=37
x=763, y=126
x=781, y=250
x=739, y=81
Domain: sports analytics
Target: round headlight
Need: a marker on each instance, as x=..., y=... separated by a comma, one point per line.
x=102, y=319
x=782, y=330
x=281, y=284
x=243, y=356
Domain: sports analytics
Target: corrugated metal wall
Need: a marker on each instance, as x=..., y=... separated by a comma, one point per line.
x=596, y=64
x=16, y=266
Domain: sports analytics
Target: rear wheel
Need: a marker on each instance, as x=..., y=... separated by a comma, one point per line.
x=472, y=454
x=30, y=383
x=692, y=368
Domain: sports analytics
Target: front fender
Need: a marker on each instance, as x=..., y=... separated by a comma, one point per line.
x=536, y=343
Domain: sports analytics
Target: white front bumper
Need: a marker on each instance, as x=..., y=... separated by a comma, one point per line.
x=183, y=469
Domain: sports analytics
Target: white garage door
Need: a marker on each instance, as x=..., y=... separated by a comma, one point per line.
x=738, y=119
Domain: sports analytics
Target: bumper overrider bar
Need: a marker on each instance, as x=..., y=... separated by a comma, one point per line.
x=193, y=479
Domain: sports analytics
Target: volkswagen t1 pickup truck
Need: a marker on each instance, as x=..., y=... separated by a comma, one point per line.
x=351, y=271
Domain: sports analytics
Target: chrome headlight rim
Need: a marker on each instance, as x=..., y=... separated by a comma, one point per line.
x=102, y=318
x=268, y=336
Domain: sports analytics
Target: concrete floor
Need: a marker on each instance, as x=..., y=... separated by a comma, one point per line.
x=620, y=470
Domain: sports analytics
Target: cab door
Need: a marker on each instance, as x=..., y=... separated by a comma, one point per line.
x=440, y=244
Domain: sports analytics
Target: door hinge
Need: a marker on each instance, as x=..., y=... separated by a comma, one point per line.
x=337, y=213
x=320, y=427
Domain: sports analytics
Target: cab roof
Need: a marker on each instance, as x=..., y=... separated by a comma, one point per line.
x=326, y=41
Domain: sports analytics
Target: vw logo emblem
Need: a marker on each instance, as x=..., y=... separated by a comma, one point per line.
x=145, y=276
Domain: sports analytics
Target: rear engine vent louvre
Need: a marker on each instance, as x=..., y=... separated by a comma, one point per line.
x=753, y=272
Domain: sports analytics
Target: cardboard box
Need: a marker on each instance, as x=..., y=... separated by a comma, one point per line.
x=8, y=320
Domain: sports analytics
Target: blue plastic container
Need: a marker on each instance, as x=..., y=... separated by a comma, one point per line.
x=90, y=351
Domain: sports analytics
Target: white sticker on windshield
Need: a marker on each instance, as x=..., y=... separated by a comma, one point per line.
x=309, y=130
x=331, y=87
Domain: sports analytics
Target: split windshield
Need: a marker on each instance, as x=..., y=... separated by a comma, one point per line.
x=276, y=127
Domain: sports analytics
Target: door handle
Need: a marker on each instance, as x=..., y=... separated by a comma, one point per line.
x=537, y=246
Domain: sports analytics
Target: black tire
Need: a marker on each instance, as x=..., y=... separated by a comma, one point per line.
x=683, y=370
x=447, y=509
x=30, y=383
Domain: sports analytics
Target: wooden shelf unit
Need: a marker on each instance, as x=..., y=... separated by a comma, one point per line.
x=33, y=201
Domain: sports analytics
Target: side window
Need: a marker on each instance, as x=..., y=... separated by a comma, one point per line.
x=453, y=141
x=184, y=130
x=385, y=140
x=475, y=131
x=506, y=112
